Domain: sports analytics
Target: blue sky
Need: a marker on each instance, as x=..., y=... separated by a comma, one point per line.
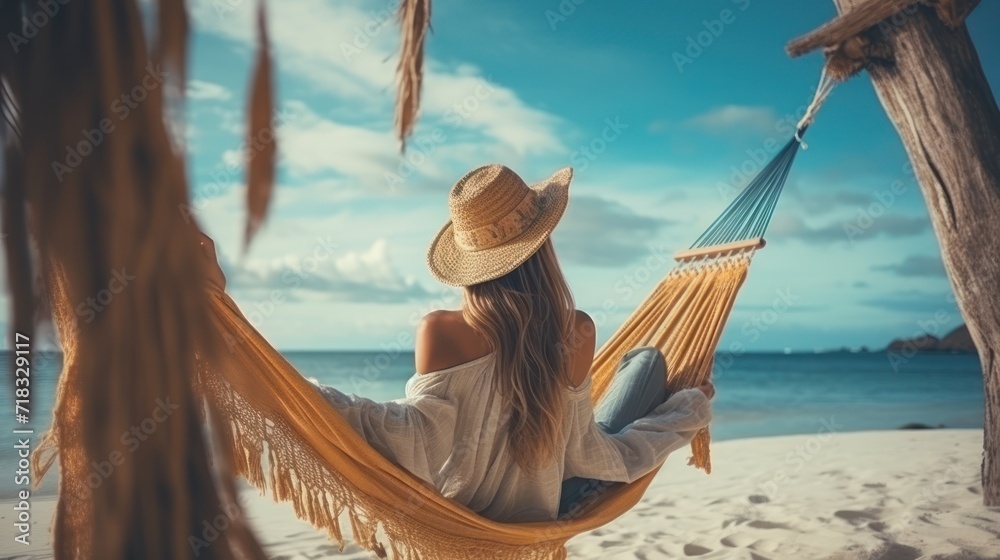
x=340, y=262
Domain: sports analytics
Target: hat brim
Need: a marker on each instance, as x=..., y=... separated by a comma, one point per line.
x=455, y=266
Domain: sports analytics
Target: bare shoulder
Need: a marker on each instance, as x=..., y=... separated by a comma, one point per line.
x=444, y=339
x=584, y=331
x=439, y=324
x=584, y=322
x=439, y=318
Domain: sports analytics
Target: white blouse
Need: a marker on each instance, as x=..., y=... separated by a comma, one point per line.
x=449, y=430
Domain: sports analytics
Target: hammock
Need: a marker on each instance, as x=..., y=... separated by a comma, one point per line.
x=286, y=438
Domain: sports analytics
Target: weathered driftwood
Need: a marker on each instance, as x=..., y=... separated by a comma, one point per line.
x=954, y=12
x=866, y=14
x=856, y=39
x=937, y=96
x=863, y=17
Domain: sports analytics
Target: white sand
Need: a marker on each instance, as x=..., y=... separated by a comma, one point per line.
x=894, y=495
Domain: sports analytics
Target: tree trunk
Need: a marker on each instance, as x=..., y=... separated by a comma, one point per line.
x=937, y=96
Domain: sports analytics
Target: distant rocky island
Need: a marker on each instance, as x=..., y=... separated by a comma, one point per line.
x=958, y=340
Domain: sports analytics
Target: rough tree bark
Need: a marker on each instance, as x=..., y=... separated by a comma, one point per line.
x=937, y=96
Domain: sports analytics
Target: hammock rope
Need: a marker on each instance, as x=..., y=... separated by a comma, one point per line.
x=826, y=85
x=749, y=214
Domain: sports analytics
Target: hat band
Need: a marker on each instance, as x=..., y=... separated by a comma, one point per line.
x=506, y=228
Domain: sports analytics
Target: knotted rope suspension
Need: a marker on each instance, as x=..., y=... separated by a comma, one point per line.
x=742, y=224
x=826, y=84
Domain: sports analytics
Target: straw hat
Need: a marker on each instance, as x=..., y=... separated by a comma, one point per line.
x=497, y=222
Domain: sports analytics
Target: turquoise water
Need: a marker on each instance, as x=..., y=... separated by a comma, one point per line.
x=758, y=394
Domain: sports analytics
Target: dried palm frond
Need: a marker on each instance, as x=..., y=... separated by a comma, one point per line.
x=261, y=140
x=415, y=19
x=95, y=182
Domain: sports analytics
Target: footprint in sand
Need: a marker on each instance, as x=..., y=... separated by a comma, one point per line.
x=895, y=551
x=695, y=550
x=750, y=543
x=856, y=517
x=760, y=524
x=878, y=526
x=928, y=518
x=653, y=513
x=738, y=540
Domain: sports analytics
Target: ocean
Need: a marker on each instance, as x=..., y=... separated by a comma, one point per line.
x=758, y=394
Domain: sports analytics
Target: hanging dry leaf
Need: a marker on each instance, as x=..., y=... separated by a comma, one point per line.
x=261, y=141
x=172, y=48
x=121, y=270
x=415, y=19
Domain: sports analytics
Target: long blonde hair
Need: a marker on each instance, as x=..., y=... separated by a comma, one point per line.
x=527, y=318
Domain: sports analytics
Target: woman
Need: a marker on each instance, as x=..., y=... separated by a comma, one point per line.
x=498, y=416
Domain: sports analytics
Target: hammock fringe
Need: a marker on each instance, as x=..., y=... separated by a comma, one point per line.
x=322, y=497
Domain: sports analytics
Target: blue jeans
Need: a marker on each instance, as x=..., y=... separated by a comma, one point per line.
x=638, y=387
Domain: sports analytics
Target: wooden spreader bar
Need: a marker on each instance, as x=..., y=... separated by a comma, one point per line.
x=721, y=249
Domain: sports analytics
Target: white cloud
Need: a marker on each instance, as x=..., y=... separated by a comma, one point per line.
x=598, y=231
x=357, y=276
x=372, y=267
x=728, y=118
x=311, y=144
x=465, y=99
x=349, y=49
x=200, y=90
x=341, y=47
x=849, y=228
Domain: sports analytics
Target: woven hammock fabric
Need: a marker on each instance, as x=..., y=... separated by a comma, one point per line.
x=287, y=440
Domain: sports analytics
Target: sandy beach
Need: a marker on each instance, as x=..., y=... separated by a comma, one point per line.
x=888, y=495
